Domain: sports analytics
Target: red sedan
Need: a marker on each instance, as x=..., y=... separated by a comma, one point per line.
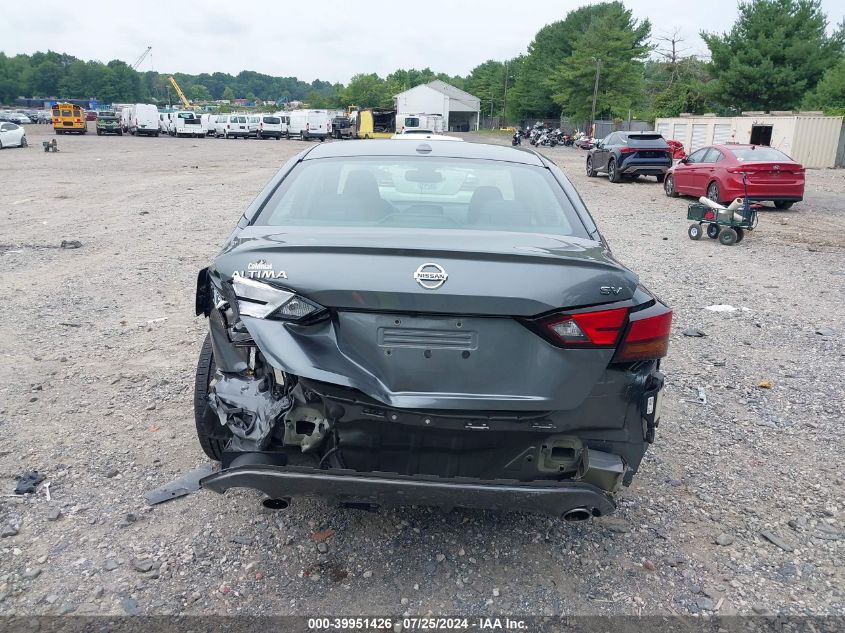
x=716, y=172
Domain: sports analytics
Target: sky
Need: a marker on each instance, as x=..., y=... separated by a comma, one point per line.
x=330, y=40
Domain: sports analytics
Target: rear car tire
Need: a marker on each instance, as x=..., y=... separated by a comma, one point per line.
x=205, y=418
x=713, y=192
x=728, y=236
x=713, y=231
x=24, y=142
x=613, y=174
x=783, y=205
x=694, y=231
x=591, y=173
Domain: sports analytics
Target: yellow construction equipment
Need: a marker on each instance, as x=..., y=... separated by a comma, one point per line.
x=375, y=123
x=187, y=104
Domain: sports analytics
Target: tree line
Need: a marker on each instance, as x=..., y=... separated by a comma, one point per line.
x=778, y=55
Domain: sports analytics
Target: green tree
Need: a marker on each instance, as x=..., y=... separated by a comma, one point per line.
x=829, y=94
x=487, y=82
x=199, y=92
x=676, y=87
x=616, y=41
x=228, y=93
x=368, y=90
x=531, y=95
x=775, y=53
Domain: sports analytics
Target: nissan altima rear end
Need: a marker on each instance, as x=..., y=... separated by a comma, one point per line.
x=413, y=323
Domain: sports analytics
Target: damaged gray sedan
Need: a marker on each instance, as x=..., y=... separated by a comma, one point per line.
x=406, y=322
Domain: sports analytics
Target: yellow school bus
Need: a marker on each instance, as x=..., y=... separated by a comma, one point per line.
x=69, y=118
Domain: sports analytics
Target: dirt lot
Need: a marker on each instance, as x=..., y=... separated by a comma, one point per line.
x=738, y=507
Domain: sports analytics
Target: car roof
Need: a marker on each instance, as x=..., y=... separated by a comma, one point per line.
x=402, y=147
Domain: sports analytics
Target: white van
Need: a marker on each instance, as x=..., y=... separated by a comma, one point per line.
x=284, y=122
x=143, y=119
x=416, y=121
x=308, y=124
x=186, y=123
x=125, y=116
x=269, y=126
x=207, y=121
x=164, y=122
x=252, y=121
x=231, y=126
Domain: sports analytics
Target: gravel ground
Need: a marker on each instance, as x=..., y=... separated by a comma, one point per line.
x=738, y=507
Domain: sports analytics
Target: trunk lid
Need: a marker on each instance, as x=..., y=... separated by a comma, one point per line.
x=771, y=172
x=455, y=347
x=396, y=270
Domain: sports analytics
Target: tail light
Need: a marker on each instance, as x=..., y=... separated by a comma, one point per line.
x=640, y=335
x=627, y=150
x=263, y=301
x=647, y=336
x=586, y=329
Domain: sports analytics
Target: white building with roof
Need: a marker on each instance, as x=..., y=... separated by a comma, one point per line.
x=460, y=110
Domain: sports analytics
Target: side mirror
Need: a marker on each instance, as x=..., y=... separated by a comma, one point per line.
x=685, y=160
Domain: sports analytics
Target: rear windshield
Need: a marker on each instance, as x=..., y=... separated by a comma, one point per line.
x=649, y=140
x=753, y=154
x=423, y=193
x=412, y=121
x=273, y=120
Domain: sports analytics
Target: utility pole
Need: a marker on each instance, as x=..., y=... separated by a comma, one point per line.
x=505, y=99
x=595, y=96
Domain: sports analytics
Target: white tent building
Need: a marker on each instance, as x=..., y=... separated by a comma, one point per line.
x=460, y=110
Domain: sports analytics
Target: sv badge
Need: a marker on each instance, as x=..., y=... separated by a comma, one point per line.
x=610, y=290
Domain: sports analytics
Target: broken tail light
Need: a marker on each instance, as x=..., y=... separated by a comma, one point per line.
x=647, y=335
x=263, y=301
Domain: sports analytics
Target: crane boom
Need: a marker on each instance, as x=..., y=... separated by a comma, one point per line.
x=141, y=58
x=179, y=92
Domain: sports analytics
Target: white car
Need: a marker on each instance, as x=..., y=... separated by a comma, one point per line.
x=12, y=135
x=420, y=135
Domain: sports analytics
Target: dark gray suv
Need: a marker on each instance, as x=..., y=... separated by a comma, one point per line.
x=630, y=154
x=423, y=322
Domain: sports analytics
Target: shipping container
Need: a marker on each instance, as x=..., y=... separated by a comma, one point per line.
x=815, y=141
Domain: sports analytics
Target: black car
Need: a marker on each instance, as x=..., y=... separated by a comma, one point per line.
x=426, y=322
x=630, y=154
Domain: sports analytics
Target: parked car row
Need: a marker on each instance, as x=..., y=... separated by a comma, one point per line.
x=721, y=173
x=19, y=118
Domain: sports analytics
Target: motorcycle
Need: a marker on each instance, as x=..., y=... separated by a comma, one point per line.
x=517, y=138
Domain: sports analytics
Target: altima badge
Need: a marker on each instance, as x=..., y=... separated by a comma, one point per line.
x=260, y=270
x=430, y=276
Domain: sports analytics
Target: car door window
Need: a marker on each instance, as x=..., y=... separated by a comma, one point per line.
x=713, y=156
x=697, y=156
